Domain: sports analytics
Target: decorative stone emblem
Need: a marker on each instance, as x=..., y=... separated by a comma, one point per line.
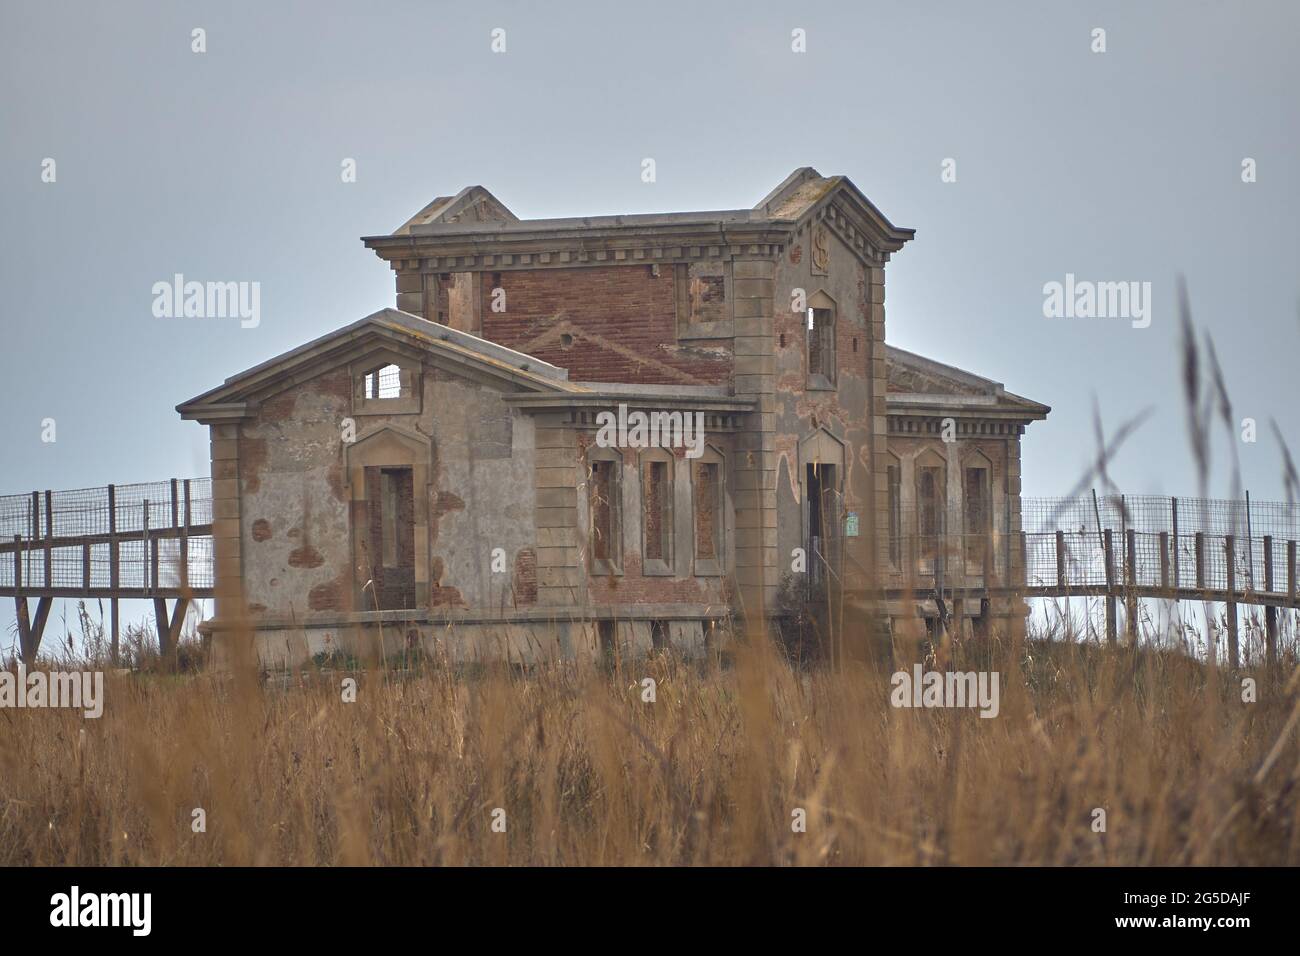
x=821, y=251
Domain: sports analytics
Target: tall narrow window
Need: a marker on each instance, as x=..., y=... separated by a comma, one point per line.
x=821, y=344
x=978, y=524
x=390, y=494
x=825, y=515
x=708, y=499
x=707, y=545
x=930, y=516
x=895, y=515
x=657, y=514
x=604, y=496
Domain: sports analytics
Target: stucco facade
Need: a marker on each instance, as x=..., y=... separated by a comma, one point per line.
x=437, y=474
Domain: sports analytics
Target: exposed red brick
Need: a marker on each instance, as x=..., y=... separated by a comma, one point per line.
x=261, y=530
x=305, y=557
x=326, y=597
x=525, y=577
x=337, y=383
x=622, y=320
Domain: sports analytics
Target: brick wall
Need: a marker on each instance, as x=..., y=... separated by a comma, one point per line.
x=602, y=323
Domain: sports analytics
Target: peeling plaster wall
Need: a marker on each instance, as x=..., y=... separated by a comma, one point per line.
x=485, y=459
x=295, y=500
x=844, y=412
x=296, y=544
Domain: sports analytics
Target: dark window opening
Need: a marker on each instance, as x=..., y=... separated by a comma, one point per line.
x=390, y=495
x=823, y=519
x=821, y=343
x=659, y=635
x=608, y=645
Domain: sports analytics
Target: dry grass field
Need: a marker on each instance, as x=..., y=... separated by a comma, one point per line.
x=711, y=772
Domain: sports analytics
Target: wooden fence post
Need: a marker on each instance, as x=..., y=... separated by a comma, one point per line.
x=1230, y=547
x=1060, y=559
x=1270, y=610
x=49, y=539
x=114, y=572
x=1111, y=636
x=1164, y=560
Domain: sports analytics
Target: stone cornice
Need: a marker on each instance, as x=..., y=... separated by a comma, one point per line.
x=504, y=250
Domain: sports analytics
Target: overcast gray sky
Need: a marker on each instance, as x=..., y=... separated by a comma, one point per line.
x=225, y=165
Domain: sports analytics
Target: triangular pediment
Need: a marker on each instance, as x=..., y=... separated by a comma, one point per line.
x=473, y=204
x=806, y=195
x=389, y=334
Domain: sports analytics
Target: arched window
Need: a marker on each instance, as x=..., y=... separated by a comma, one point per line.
x=657, y=511
x=930, y=505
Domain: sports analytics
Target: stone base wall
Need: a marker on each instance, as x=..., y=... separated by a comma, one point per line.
x=461, y=643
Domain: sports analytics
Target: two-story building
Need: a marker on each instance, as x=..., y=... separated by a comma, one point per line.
x=579, y=436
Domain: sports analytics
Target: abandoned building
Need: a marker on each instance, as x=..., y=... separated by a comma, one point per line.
x=434, y=473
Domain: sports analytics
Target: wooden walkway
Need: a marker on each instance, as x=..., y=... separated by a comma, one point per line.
x=154, y=542
x=146, y=542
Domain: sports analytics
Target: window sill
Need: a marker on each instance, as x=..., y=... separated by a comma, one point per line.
x=603, y=569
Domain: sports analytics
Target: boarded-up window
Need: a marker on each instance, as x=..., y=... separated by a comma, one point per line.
x=604, y=491
x=656, y=492
x=701, y=292
x=390, y=495
x=821, y=343
x=708, y=511
x=977, y=507
x=930, y=498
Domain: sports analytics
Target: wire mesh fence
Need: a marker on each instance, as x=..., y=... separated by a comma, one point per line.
x=65, y=539
x=1155, y=543
x=93, y=511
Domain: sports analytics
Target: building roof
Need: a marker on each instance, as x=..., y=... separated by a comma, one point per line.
x=385, y=326
x=474, y=214
x=536, y=383
x=922, y=385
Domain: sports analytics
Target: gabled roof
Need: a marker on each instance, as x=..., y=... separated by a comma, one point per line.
x=472, y=204
x=801, y=194
x=921, y=384
x=385, y=327
x=805, y=190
